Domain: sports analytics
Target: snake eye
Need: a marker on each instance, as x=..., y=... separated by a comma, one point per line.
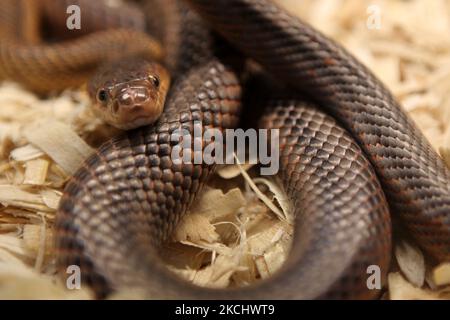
x=102, y=95
x=154, y=80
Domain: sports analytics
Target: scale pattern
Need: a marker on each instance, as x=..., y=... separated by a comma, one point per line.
x=414, y=178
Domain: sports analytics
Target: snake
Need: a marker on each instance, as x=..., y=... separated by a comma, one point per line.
x=351, y=159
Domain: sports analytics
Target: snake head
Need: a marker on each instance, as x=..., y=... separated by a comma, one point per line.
x=130, y=93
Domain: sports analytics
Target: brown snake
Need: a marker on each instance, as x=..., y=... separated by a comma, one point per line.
x=128, y=197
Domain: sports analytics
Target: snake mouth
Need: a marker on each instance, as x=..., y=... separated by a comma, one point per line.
x=138, y=121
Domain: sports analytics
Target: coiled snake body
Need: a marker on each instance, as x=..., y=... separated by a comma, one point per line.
x=127, y=198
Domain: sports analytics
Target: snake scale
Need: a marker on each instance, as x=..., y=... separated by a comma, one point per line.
x=346, y=170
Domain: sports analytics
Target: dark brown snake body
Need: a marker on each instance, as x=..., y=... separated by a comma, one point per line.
x=128, y=197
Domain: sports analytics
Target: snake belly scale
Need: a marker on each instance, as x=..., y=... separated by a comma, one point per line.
x=128, y=197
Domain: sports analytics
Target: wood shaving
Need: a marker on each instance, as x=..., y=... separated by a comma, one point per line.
x=60, y=143
x=267, y=201
x=36, y=172
x=441, y=275
x=401, y=289
x=231, y=171
x=240, y=230
x=286, y=212
x=411, y=262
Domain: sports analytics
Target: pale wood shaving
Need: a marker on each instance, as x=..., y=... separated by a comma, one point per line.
x=268, y=250
x=195, y=227
x=217, y=275
x=232, y=171
x=217, y=205
x=441, y=275
x=280, y=196
x=411, y=262
x=22, y=283
x=60, y=143
x=268, y=202
x=26, y=153
x=272, y=260
x=11, y=195
x=51, y=197
x=36, y=172
x=400, y=289
x=38, y=239
x=13, y=251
